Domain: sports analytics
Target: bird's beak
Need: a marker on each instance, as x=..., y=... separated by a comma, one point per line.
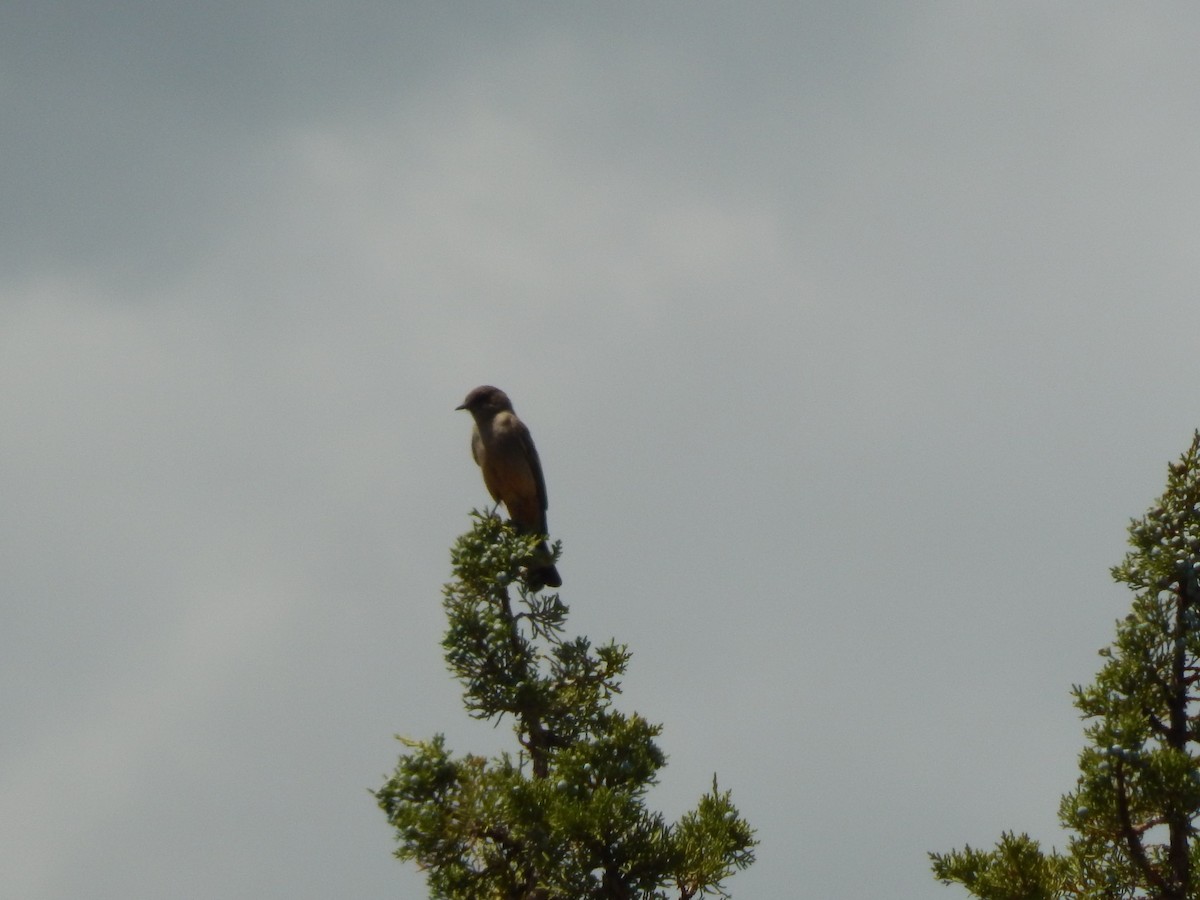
x=461, y=406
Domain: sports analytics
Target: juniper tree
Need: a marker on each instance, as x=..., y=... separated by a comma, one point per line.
x=564, y=816
x=1132, y=813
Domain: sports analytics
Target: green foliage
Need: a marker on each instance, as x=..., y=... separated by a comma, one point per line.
x=1138, y=794
x=1016, y=870
x=566, y=818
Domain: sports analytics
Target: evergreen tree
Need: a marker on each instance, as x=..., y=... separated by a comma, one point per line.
x=1132, y=811
x=565, y=817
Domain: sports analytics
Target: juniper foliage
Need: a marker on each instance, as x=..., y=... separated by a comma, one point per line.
x=564, y=816
x=1133, y=809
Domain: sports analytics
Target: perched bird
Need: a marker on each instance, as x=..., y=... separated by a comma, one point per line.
x=504, y=450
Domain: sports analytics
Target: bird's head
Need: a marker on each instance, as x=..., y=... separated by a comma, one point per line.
x=486, y=400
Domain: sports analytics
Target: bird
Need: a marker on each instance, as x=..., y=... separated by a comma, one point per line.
x=512, y=473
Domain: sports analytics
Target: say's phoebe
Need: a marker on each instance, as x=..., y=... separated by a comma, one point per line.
x=502, y=446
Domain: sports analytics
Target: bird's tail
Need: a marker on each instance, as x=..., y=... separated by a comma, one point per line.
x=540, y=576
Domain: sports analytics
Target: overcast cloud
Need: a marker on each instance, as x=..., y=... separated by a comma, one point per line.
x=851, y=336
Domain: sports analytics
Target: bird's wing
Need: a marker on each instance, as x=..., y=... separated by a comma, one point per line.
x=535, y=465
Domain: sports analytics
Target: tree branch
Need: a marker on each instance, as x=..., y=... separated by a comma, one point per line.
x=1132, y=835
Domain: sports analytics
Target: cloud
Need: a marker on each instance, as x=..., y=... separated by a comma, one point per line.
x=848, y=337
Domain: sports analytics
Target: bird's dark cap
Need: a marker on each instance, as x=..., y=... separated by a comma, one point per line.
x=485, y=395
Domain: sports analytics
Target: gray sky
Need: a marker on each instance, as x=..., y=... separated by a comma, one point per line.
x=851, y=336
